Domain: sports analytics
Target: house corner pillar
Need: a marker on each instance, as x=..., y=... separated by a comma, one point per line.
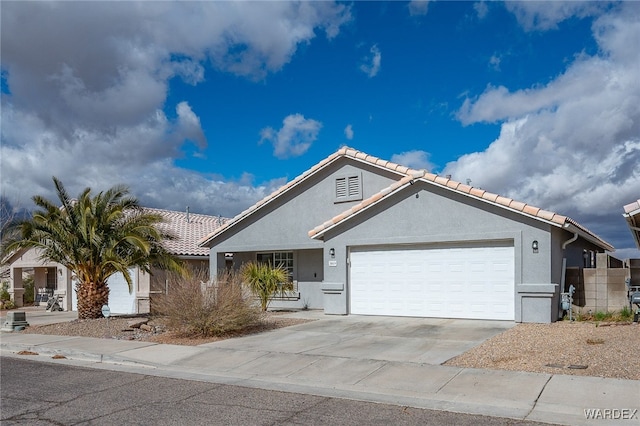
x=16, y=287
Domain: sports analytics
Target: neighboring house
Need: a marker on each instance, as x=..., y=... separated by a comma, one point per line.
x=52, y=278
x=361, y=235
x=632, y=215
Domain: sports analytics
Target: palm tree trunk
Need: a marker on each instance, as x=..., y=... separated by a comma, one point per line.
x=91, y=298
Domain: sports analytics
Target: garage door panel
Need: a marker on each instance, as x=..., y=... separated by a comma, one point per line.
x=474, y=282
x=120, y=300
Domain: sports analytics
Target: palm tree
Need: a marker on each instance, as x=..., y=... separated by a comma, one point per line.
x=264, y=280
x=94, y=237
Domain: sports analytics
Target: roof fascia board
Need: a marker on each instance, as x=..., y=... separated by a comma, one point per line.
x=193, y=256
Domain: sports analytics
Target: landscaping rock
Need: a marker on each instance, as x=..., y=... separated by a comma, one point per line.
x=146, y=327
x=137, y=322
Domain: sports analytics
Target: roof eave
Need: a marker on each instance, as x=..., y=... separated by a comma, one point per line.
x=563, y=223
x=589, y=237
x=633, y=220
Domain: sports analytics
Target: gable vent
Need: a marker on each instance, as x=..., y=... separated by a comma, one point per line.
x=349, y=188
x=353, y=186
x=341, y=187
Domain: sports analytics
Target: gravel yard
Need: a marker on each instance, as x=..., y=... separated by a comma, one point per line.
x=605, y=349
x=152, y=331
x=574, y=348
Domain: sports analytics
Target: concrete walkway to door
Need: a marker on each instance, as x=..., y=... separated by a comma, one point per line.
x=379, y=359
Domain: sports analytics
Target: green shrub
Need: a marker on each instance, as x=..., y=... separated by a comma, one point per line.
x=29, y=295
x=626, y=314
x=4, y=293
x=196, y=307
x=265, y=281
x=7, y=304
x=601, y=316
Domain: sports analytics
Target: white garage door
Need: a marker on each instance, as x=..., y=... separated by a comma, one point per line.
x=466, y=282
x=120, y=301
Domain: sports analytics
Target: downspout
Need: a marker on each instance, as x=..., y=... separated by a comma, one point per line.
x=564, y=259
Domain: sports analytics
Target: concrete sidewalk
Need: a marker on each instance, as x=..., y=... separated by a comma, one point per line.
x=326, y=358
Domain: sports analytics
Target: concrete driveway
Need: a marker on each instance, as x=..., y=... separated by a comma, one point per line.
x=415, y=340
x=38, y=315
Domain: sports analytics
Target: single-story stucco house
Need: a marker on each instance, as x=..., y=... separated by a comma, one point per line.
x=361, y=235
x=52, y=278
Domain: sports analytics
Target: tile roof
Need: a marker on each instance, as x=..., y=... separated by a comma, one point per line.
x=632, y=215
x=486, y=196
x=342, y=152
x=408, y=175
x=187, y=233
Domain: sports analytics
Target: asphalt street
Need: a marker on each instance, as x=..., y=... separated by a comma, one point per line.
x=42, y=393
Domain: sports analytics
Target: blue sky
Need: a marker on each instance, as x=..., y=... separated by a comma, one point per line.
x=215, y=104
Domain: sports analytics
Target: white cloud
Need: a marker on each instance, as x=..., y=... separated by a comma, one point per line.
x=414, y=159
x=545, y=15
x=189, y=125
x=418, y=7
x=494, y=62
x=294, y=137
x=372, y=64
x=348, y=132
x=572, y=145
x=88, y=81
x=481, y=9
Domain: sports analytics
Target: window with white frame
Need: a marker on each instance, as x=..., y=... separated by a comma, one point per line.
x=349, y=187
x=287, y=290
x=279, y=258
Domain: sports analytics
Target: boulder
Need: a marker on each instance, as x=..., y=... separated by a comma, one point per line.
x=136, y=323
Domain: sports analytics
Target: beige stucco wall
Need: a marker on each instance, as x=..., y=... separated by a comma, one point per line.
x=604, y=288
x=30, y=259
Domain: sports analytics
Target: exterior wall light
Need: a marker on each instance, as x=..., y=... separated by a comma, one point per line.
x=534, y=246
x=332, y=252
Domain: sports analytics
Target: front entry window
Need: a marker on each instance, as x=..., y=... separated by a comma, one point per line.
x=279, y=258
x=287, y=290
